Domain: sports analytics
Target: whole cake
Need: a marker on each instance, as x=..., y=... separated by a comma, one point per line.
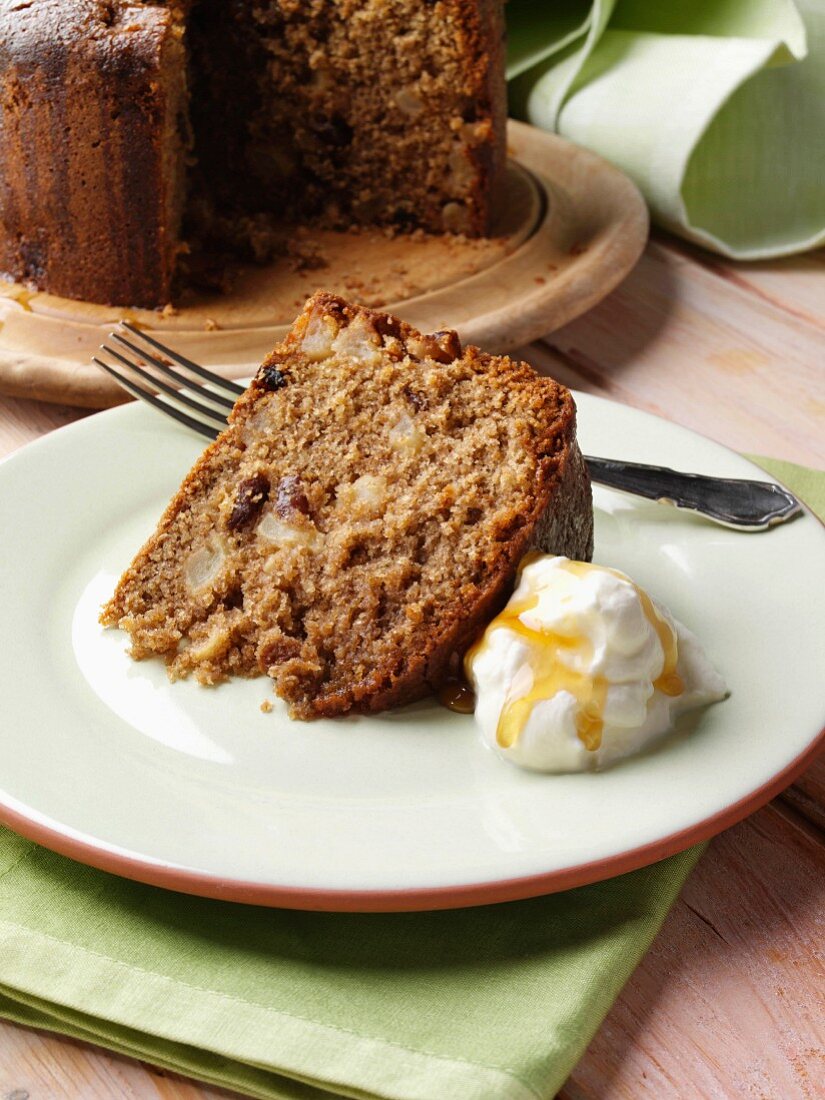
x=362, y=517
x=140, y=140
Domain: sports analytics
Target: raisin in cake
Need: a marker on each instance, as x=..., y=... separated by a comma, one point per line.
x=362, y=517
x=141, y=138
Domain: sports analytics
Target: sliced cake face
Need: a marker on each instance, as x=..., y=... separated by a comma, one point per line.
x=368, y=111
x=361, y=518
x=92, y=95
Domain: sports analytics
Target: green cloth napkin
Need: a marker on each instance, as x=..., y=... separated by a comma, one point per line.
x=716, y=108
x=498, y=1001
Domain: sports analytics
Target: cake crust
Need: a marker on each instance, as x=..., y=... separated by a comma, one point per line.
x=91, y=146
x=362, y=517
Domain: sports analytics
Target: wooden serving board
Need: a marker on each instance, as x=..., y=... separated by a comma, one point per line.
x=570, y=227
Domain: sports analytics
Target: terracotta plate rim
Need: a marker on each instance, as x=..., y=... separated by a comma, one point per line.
x=409, y=900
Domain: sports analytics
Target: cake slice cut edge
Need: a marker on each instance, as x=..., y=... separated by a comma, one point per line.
x=362, y=517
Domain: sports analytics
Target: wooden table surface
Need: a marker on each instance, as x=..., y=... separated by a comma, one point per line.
x=730, y=1000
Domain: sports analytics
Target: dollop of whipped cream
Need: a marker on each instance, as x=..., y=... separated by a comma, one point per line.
x=582, y=668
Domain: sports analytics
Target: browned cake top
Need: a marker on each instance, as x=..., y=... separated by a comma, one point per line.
x=362, y=517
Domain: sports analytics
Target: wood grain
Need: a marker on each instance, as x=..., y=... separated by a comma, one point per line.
x=728, y=1002
x=22, y=421
x=36, y=1064
x=682, y=341
x=794, y=286
x=807, y=795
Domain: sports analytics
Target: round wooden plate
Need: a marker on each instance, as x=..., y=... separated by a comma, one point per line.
x=569, y=229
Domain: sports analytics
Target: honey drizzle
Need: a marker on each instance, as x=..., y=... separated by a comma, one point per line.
x=21, y=296
x=457, y=695
x=551, y=676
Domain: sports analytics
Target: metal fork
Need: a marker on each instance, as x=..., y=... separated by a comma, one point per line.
x=733, y=502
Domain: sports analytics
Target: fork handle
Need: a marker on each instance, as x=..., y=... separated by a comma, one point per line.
x=733, y=502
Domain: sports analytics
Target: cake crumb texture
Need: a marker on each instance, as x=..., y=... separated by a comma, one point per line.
x=361, y=518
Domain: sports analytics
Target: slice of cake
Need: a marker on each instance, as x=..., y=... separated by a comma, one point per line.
x=362, y=517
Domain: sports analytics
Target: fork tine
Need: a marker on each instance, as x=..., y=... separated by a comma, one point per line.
x=158, y=384
x=158, y=403
x=196, y=368
x=166, y=370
